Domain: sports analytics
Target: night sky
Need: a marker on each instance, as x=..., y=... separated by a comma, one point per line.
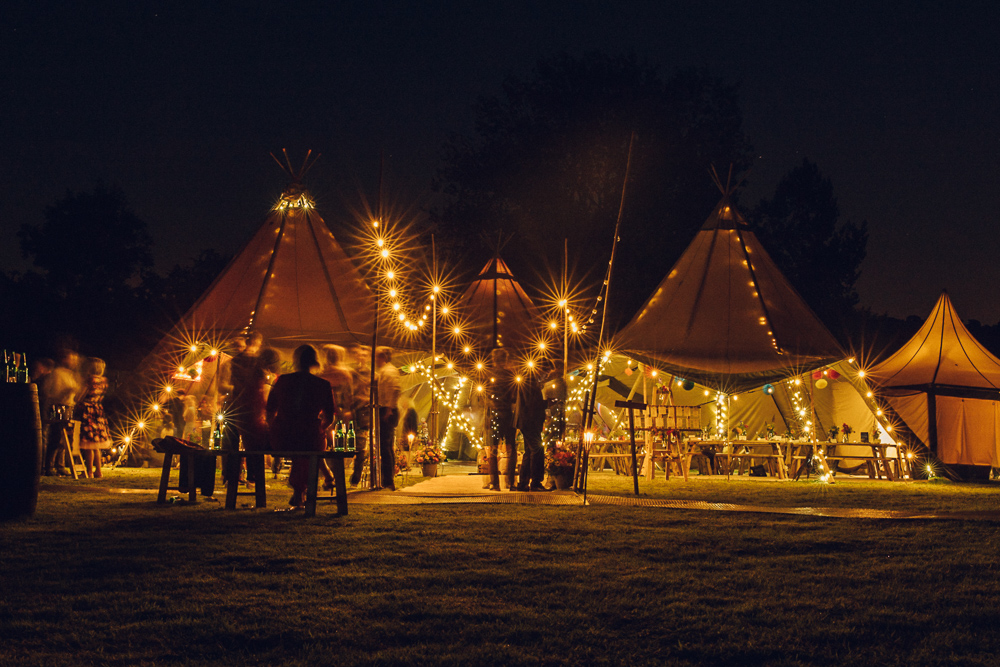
x=179, y=104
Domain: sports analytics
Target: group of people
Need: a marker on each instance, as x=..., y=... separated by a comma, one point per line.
x=522, y=404
x=70, y=391
x=295, y=411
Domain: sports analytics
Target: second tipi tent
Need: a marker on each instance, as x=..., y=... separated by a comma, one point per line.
x=725, y=316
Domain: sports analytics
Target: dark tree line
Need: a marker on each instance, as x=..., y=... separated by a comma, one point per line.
x=94, y=286
x=820, y=255
x=546, y=162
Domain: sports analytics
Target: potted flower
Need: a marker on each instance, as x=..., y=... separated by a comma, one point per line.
x=834, y=432
x=429, y=457
x=560, y=465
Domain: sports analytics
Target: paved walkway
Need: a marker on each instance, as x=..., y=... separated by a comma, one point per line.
x=459, y=488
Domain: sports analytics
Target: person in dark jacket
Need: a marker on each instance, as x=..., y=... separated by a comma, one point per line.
x=530, y=418
x=502, y=397
x=299, y=410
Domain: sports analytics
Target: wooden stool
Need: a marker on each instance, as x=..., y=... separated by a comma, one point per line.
x=168, y=460
x=71, y=445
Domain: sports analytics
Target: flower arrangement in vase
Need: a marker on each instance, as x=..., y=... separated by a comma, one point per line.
x=847, y=430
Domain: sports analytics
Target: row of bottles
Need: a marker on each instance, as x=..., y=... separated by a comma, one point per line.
x=344, y=441
x=16, y=364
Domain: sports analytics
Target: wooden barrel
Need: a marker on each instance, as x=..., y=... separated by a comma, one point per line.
x=20, y=450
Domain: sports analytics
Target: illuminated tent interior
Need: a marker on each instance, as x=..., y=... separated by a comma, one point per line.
x=837, y=401
x=725, y=316
x=726, y=320
x=946, y=387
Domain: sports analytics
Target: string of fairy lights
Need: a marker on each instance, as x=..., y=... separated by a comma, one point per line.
x=467, y=372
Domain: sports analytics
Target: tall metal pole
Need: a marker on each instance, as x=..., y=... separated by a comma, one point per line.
x=374, y=432
x=434, y=307
x=565, y=283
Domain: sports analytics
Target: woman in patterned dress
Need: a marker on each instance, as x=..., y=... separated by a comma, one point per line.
x=89, y=410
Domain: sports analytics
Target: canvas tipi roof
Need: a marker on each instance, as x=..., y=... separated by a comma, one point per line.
x=942, y=357
x=292, y=282
x=499, y=311
x=725, y=316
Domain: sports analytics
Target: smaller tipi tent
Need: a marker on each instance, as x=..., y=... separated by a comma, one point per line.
x=499, y=311
x=946, y=387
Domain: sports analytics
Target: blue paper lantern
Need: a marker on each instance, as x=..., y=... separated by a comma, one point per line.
x=768, y=389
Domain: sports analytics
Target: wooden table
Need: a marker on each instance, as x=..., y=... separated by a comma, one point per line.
x=260, y=490
x=768, y=450
x=679, y=452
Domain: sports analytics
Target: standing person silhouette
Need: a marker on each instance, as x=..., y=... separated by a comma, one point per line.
x=387, y=381
x=299, y=410
x=58, y=392
x=360, y=405
x=503, y=396
x=530, y=418
x=94, y=434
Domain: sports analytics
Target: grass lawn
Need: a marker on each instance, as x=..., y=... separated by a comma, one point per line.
x=114, y=579
x=923, y=496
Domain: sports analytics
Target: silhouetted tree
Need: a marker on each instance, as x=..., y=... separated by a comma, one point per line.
x=800, y=228
x=548, y=158
x=90, y=242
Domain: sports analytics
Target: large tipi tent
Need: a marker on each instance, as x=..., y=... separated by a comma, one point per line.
x=498, y=310
x=292, y=282
x=946, y=387
x=725, y=316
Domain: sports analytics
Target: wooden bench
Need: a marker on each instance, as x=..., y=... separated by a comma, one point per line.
x=260, y=490
x=877, y=465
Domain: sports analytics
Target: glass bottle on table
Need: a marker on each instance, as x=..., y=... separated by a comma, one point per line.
x=338, y=437
x=352, y=438
x=217, y=432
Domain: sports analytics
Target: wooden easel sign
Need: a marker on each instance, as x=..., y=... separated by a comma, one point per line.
x=631, y=406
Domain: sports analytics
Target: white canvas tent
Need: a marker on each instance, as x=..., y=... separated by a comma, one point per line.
x=945, y=386
x=725, y=316
x=726, y=320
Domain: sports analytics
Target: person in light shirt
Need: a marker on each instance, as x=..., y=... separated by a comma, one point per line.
x=388, y=382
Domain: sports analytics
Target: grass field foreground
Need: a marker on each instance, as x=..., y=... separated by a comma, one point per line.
x=114, y=579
